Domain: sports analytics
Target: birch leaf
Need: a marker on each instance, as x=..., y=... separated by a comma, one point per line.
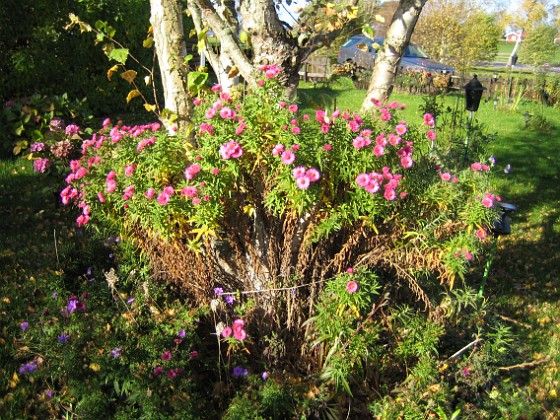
x=132, y=94
x=129, y=75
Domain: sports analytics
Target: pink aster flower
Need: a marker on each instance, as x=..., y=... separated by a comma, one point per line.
x=303, y=182
x=240, y=128
x=476, y=166
x=227, y=113
x=313, y=174
x=407, y=162
x=293, y=108
x=431, y=134
x=226, y=332
x=363, y=180
x=288, y=157
x=150, y=193
x=298, y=171
x=111, y=185
x=327, y=147
x=163, y=198
x=429, y=120
x=481, y=233
x=129, y=170
x=378, y=150
x=230, y=150
x=100, y=197
x=401, y=129
x=352, y=286
x=240, y=335
x=488, y=201
x=166, y=355
x=189, y=191
x=390, y=194
x=446, y=176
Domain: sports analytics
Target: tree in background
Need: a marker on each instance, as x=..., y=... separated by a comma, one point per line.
x=457, y=33
x=539, y=47
x=256, y=23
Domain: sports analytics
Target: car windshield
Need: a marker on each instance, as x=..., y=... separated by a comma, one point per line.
x=414, y=51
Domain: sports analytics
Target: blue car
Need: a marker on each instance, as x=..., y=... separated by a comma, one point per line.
x=362, y=51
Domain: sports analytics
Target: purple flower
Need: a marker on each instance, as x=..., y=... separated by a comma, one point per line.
x=238, y=372
x=182, y=334
x=229, y=299
x=54, y=295
x=218, y=291
x=28, y=367
x=24, y=325
x=130, y=301
x=50, y=394
x=116, y=352
x=63, y=338
x=265, y=375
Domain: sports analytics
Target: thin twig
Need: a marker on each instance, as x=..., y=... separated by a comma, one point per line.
x=525, y=365
x=56, y=251
x=468, y=346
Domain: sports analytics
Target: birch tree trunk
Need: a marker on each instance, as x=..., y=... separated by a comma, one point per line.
x=169, y=39
x=388, y=59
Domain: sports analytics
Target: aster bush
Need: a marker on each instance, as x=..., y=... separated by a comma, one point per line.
x=271, y=202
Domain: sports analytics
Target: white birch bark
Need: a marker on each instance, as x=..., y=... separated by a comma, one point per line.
x=388, y=59
x=169, y=39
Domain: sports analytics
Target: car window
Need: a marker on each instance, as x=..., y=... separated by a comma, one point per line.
x=414, y=51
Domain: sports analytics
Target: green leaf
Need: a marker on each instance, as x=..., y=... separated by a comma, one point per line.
x=119, y=54
x=368, y=31
x=196, y=80
x=201, y=40
x=148, y=42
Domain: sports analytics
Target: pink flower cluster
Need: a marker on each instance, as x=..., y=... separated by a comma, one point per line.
x=142, y=144
x=41, y=165
x=165, y=196
x=236, y=329
x=270, y=71
x=287, y=156
x=488, y=200
x=446, y=176
x=478, y=167
x=72, y=129
x=231, y=150
x=191, y=171
x=429, y=120
x=372, y=182
x=465, y=254
x=304, y=177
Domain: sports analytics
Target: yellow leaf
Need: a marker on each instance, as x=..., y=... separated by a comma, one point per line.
x=149, y=107
x=112, y=71
x=95, y=367
x=12, y=383
x=233, y=72
x=132, y=94
x=148, y=80
x=129, y=75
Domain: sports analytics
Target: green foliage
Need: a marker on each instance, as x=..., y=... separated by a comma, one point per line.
x=37, y=56
x=539, y=47
x=344, y=328
x=40, y=119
